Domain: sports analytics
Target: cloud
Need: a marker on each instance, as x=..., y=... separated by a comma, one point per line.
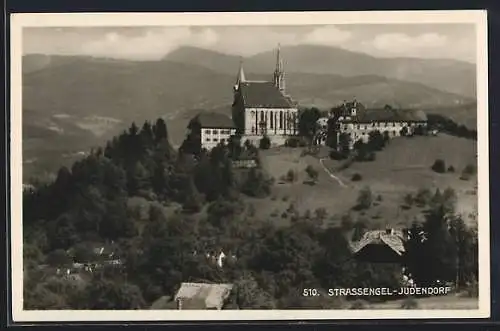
x=152, y=44
x=403, y=43
x=327, y=35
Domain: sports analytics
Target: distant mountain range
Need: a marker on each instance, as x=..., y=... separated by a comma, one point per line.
x=447, y=75
x=80, y=95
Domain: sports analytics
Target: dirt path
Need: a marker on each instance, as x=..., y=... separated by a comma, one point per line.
x=338, y=180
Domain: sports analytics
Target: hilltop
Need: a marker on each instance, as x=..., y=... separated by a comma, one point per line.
x=93, y=96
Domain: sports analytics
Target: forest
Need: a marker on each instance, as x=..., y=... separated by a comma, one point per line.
x=88, y=206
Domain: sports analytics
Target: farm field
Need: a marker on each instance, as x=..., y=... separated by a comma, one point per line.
x=404, y=166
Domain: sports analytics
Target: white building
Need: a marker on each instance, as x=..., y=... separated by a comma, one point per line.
x=354, y=119
x=212, y=128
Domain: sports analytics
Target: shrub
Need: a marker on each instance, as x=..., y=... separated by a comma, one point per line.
x=346, y=222
x=451, y=169
x=423, y=197
x=312, y=173
x=336, y=155
x=465, y=177
x=356, y=177
x=439, y=166
x=292, y=142
x=470, y=169
x=291, y=176
x=365, y=198
x=265, y=143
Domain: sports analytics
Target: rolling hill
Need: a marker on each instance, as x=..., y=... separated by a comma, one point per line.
x=93, y=98
x=448, y=75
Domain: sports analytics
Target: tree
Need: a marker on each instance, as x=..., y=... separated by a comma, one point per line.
x=361, y=150
x=423, y=197
x=160, y=130
x=439, y=166
x=449, y=200
x=356, y=177
x=439, y=260
x=376, y=141
x=108, y=294
x=248, y=294
x=147, y=135
x=265, y=143
x=193, y=201
x=291, y=176
x=59, y=258
x=308, y=122
x=138, y=180
x=312, y=173
x=365, y=198
x=467, y=257
x=345, y=144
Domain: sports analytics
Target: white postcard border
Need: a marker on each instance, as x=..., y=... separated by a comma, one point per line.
x=21, y=20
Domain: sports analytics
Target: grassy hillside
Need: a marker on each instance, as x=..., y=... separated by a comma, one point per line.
x=449, y=75
x=91, y=99
x=402, y=167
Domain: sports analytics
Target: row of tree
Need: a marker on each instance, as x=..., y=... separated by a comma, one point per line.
x=91, y=203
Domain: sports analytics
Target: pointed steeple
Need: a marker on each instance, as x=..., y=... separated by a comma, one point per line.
x=241, y=75
x=279, y=73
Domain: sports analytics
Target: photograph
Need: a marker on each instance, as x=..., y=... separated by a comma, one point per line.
x=249, y=166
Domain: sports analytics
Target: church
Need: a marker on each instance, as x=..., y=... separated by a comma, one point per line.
x=263, y=108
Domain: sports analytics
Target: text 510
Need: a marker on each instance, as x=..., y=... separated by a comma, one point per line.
x=310, y=292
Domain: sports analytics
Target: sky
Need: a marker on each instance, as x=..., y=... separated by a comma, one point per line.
x=444, y=41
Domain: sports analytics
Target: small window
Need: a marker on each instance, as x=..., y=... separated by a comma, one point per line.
x=208, y=139
x=215, y=139
x=215, y=131
x=207, y=131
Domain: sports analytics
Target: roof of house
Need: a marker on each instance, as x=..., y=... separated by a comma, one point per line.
x=202, y=295
x=214, y=120
x=264, y=95
x=394, y=240
x=390, y=115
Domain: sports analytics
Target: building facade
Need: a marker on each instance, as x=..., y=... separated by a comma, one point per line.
x=212, y=129
x=262, y=108
x=353, y=119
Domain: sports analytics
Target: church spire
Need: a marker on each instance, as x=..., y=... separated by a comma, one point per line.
x=279, y=73
x=241, y=74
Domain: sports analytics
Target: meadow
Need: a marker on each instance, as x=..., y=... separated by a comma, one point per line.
x=403, y=167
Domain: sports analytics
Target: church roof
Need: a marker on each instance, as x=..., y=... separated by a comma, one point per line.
x=389, y=115
x=263, y=95
x=214, y=120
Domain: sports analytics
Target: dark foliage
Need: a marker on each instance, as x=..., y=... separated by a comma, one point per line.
x=445, y=124
x=439, y=166
x=356, y=177
x=265, y=143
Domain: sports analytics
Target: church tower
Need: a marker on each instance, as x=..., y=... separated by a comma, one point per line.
x=241, y=77
x=279, y=73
